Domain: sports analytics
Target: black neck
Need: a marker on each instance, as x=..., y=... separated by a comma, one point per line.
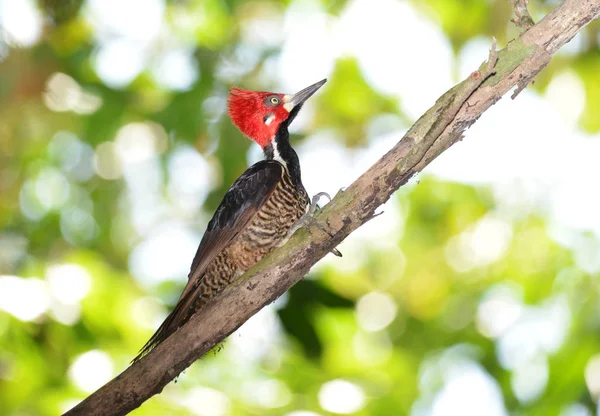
x=282, y=151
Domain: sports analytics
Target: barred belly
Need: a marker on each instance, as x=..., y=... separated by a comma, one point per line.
x=265, y=232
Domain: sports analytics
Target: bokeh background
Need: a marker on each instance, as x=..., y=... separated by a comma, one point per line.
x=476, y=293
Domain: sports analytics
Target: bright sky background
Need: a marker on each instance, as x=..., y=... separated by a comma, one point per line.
x=529, y=151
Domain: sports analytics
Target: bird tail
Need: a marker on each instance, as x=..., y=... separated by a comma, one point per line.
x=163, y=332
x=178, y=316
x=188, y=303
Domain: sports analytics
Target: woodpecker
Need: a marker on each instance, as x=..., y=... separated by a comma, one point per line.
x=259, y=211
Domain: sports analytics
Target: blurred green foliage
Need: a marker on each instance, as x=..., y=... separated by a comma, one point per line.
x=65, y=200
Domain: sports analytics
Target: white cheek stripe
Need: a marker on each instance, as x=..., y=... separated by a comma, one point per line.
x=270, y=119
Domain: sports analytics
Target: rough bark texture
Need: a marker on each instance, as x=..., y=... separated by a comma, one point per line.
x=439, y=128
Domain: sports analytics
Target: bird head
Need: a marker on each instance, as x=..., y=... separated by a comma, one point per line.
x=260, y=114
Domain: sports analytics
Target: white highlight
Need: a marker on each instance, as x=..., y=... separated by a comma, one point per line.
x=566, y=93
x=268, y=393
x=164, y=255
x=63, y=93
x=524, y=347
x=21, y=22
x=306, y=55
x=140, y=20
x=575, y=409
x=119, y=61
x=204, y=401
x=249, y=341
x=532, y=180
x=137, y=142
x=69, y=283
x=106, y=163
x=468, y=391
x=91, y=370
x=52, y=188
x=25, y=299
x=592, y=376
x=372, y=349
x=499, y=310
x=148, y=313
x=340, y=396
x=176, y=70
x=480, y=245
x=191, y=177
x=367, y=32
x=530, y=379
x=375, y=311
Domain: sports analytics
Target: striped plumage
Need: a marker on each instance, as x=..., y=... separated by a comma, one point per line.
x=270, y=224
x=257, y=211
x=266, y=230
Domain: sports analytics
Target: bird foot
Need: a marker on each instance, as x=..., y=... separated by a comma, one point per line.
x=374, y=215
x=314, y=204
x=307, y=220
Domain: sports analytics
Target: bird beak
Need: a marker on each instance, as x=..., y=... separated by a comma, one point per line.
x=300, y=97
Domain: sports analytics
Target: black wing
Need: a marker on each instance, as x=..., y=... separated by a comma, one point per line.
x=243, y=199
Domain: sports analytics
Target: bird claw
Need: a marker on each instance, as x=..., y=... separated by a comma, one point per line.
x=314, y=205
x=336, y=252
x=374, y=215
x=308, y=220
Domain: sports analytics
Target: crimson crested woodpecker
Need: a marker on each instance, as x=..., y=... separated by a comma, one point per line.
x=259, y=212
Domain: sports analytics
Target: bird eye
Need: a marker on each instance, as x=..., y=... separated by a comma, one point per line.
x=273, y=100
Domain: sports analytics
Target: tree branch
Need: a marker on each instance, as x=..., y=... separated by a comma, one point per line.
x=439, y=128
x=522, y=17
